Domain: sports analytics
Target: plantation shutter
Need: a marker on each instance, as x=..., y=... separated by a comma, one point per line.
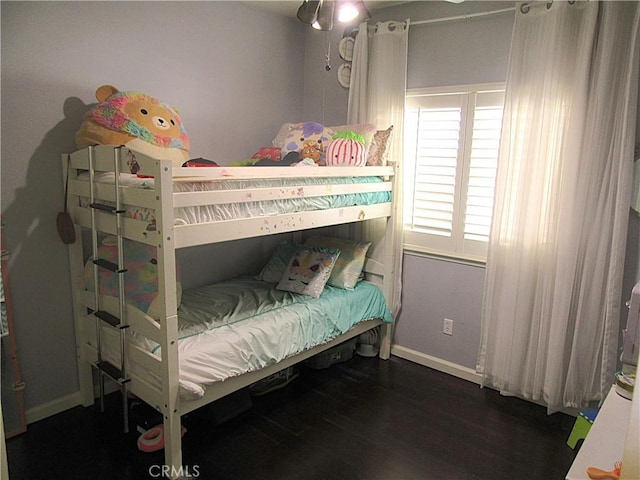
x=451, y=150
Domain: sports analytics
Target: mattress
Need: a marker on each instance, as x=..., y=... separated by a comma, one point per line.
x=242, y=325
x=248, y=209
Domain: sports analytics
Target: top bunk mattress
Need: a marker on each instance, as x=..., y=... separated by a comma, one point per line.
x=299, y=201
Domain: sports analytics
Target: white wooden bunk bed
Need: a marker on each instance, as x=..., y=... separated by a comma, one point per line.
x=143, y=372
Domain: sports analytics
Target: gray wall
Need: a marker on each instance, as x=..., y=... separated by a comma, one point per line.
x=432, y=291
x=227, y=68
x=325, y=100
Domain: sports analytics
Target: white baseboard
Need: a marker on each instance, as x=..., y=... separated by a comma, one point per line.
x=54, y=407
x=456, y=370
x=439, y=364
x=61, y=404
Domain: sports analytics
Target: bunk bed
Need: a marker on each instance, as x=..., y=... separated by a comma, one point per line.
x=170, y=208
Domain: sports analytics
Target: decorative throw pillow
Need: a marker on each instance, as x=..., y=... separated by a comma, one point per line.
x=367, y=130
x=292, y=137
x=308, y=271
x=348, y=268
x=346, y=149
x=380, y=148
x=274, y=269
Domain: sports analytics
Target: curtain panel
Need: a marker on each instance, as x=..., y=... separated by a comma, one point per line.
x=377, y=95
x=556, y=254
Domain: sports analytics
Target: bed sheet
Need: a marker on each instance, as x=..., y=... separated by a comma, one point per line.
x=242, y=325
x=229, y=211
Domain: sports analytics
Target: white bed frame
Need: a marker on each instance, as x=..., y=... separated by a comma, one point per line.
x=167, y=238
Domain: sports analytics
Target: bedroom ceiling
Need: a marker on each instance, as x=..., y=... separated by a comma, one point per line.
x=290, y=7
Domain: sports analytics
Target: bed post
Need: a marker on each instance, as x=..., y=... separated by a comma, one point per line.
x=76, y=264
x=169, y=320
x=392, y=258
x=85, y=370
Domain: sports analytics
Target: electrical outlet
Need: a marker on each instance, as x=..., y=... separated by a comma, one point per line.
x=447, y=327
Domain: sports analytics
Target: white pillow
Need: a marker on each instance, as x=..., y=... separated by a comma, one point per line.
x=348, y=268
x=308, y=271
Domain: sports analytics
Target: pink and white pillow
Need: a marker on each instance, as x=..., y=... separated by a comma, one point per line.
x=346, y=149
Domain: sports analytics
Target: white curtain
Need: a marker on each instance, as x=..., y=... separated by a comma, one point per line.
x=556, y=254
x=376, y=96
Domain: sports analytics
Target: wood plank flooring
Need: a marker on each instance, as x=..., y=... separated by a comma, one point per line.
x=362, y=419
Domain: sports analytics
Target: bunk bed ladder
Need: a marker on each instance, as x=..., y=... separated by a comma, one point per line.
x=105, y=367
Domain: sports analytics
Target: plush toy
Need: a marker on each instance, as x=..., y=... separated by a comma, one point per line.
x=271, y=153
x=311, y=154
x=346, y=149
x=140, y=279
x=135, y=120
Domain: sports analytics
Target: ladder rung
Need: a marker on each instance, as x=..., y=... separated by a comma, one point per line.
x=106, y=264
x=106, y=208
x=110, y=319
x=111, y=371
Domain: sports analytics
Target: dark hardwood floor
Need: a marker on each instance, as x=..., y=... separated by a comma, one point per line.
x=362, y=419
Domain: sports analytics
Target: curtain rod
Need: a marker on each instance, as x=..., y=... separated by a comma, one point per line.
x=462, y=17
x=449, y=19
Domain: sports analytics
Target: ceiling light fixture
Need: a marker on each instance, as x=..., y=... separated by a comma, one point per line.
x=321, y=14
x=347, y=12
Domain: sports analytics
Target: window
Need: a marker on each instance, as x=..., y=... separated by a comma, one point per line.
x=451, y=154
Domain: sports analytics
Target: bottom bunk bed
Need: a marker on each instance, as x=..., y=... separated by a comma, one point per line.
x=244, y=325
x=234, y=333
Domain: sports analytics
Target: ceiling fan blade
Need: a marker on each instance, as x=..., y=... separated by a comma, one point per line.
x=308, y=11
x=324, y=21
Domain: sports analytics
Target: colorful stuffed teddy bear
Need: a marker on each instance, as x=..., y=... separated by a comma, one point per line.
x=135, y=120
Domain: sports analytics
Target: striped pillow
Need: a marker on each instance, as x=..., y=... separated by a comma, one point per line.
x=346, y=149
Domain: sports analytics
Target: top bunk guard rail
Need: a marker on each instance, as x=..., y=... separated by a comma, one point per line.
x=219, y=197
x=147, y=198
x=160, y=197
x=245, y=173
x=104, y=154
